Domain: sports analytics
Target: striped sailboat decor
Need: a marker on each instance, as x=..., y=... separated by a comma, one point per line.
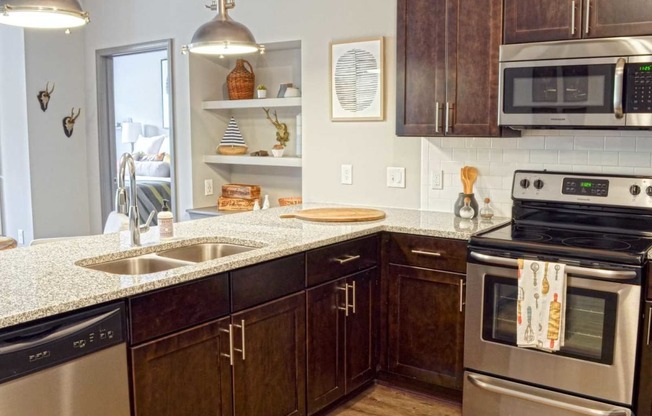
x=232, y=143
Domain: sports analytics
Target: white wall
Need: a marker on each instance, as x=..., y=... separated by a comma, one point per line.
x=57, y=163
x=15, y=164
x=592, y=151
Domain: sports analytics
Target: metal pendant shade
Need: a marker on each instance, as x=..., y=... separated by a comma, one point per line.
x=223, y=35
x=46, y=14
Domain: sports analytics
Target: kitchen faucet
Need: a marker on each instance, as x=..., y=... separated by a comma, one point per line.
x=121, y=200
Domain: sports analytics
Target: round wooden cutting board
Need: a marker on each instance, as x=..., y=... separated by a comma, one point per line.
x=337, y=214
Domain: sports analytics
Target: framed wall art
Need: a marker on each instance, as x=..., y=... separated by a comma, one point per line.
x=357, y=80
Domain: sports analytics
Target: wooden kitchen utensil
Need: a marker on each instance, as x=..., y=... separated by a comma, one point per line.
x=337, y=214
x=471, y=176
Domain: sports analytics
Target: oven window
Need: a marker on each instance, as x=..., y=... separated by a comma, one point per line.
x=590, y=319
x=559, y=89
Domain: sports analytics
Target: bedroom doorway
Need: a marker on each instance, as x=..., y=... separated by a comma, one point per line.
x=135, y=115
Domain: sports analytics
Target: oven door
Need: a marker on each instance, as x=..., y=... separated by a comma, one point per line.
x=571, y=92
x=600, y=335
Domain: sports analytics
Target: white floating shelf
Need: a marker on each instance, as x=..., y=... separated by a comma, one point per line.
x=255, y=103
x=293, y=162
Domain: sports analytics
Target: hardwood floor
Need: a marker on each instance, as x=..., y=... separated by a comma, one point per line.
x=381, y=400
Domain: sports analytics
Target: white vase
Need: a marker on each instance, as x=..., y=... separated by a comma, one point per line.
x=277, y=152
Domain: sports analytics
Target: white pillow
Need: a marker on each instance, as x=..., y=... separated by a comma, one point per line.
x=158, y=169
x=165, y=146
x=148, y=145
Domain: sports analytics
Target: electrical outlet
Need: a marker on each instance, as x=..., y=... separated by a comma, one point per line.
x=396, y=177
x=437, y=179
x=208, y=187
x=346, y=177
x=21, y=237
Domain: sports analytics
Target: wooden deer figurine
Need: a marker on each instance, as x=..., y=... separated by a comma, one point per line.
x=69, y=122
x=282, y=133
x=44, y=96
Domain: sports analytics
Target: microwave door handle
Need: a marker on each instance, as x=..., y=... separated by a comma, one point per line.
x=619, y=79
x=574, y=270
x=523, y=393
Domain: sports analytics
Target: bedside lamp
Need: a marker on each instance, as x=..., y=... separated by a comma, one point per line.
x=130, y=132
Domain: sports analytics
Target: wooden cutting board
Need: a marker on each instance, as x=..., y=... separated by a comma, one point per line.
x=337, y=214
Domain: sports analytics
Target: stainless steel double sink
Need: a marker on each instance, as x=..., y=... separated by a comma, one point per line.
x=170, y=259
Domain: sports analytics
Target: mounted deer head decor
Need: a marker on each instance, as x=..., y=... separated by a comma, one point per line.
x=44, y=96
x=69, y=122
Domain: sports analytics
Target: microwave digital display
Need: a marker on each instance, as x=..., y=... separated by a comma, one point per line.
x=645, y=68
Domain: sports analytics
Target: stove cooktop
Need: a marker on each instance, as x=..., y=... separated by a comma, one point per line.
x=561, y=242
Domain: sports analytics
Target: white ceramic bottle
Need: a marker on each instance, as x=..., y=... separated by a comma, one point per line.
x=165, y=220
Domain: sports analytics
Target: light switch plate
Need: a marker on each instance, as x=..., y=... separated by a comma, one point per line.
x=346, y=177
x=437, y=179
x=208, y=187
x=395, y=177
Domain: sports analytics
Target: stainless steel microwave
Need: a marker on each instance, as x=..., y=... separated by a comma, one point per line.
x=592, y=83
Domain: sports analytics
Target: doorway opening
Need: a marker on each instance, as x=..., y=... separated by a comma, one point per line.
x=136, y=116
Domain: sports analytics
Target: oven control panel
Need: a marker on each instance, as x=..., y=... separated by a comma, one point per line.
x=615, y=190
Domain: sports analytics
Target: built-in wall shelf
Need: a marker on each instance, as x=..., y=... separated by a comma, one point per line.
x=293, y=162
x=254, y=103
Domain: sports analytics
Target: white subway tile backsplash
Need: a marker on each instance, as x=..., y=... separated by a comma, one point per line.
x=559, y=143
x=587, y=151
x=620, y=143
x=589, y=143
x=575, y=157
x=634, y=159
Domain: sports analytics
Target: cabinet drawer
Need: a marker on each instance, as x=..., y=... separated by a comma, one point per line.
x=267, y=281
x=171, y=309
x=337, y=260
x=428, y=252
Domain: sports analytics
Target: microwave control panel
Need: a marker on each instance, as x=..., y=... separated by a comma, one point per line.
x=639, y=87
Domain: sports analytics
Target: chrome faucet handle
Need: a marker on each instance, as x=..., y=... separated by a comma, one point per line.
x=145, y=227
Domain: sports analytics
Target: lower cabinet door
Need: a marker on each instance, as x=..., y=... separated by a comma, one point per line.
x=183, y=374
x=426, y=325
x=361, y=329
x=644, y=396
x=269, y=370
x=325, y=344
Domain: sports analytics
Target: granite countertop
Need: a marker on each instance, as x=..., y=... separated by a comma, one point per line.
x=47, y=279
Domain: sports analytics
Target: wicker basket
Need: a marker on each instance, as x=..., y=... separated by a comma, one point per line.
x=240, y=82
x=293, y=200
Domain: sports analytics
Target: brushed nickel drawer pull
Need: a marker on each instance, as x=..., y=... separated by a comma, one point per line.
x=588, y=17
x=345, y=308
x=347, y=259
x=436, y=116
x=573, y=17
x=230, y=354
x=649, y=322
x=462, y=284
x=426, y=253
x=353, y=296
x=242, y=332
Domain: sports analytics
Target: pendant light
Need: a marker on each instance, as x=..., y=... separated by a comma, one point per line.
x=44, y=14
x=223, y=35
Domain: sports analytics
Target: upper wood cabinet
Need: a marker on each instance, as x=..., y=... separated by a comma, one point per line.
x=447, y=67
x=547, y=20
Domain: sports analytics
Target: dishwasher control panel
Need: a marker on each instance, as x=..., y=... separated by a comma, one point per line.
x=34, y=347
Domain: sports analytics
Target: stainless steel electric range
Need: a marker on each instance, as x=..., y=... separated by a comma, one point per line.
x=600, y=228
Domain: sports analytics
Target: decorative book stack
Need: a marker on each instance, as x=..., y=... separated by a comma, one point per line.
x=238, y=197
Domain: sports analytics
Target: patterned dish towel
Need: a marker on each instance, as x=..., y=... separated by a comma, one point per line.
x=541, y=305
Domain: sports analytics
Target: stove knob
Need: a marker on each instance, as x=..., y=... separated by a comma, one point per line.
x=538, y=184
x=648, y=190
x=525, y=183
x=634, y=189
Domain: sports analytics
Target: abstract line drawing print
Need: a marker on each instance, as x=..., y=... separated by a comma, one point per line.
x=356, y=80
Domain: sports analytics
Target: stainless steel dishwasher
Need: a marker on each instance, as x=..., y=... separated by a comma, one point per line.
x=75, y=365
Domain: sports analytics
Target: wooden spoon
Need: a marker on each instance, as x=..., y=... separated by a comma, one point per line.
x=464, y=173
x=471, y=175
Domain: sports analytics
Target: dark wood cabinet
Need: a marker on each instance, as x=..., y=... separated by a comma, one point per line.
x=183, y=374
x=341, y=337
x=270, y=358
x=547, y=20
x=425, y=282
x=447, y=67
x=644, y=396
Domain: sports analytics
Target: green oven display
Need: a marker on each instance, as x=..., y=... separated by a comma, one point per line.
x=584, y=187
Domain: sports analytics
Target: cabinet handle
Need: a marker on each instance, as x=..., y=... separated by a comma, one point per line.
x=446, y=116
x=462, y=284
x=436, y=116
x=649, y=323
x=426, y=253
x=230, y=354
x=353, y=297
x=573, y=17
x=347, y=259
x=242, y=332
x=619, y=79
x=345, y=308
x=587, y=20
